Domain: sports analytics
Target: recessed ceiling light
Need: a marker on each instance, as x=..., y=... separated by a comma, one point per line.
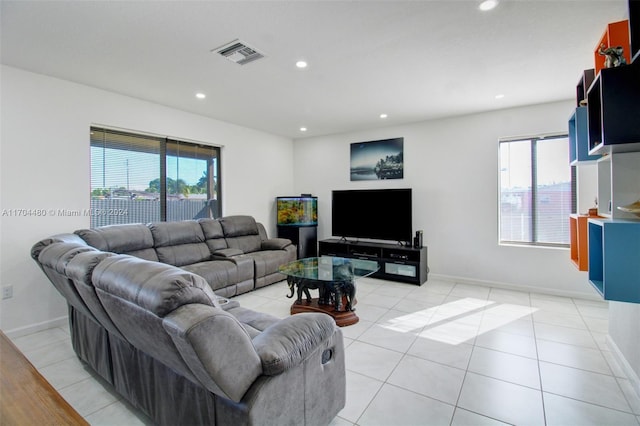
x=383, y=115
x=303, y=129
x=488, y=5
x=301, y=64
x=500, y=96
x=200, y=95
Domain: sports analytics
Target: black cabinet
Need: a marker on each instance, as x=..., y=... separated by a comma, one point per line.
x=613, y=107
x=397, y=263
x=305, y=237
x=586, y=79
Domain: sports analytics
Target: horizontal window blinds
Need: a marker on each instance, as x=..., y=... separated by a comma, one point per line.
x=536, y=191
x=140, y=178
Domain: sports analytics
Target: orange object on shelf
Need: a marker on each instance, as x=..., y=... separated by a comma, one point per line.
x=616, y=34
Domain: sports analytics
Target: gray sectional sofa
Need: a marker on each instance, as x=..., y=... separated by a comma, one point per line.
x=149, y=312
x=232, y=253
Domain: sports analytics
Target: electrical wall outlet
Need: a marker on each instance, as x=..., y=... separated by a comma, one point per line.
x=7, y=292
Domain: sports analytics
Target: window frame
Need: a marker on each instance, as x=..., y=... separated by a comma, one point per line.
x=533, y=139
x=214, y=184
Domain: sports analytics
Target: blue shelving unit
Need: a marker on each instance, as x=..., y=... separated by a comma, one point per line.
x=614, y=258
x=579, y=137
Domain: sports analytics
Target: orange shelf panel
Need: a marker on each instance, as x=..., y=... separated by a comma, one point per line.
x=579, y=241
x=616, y=34
x=573, y=238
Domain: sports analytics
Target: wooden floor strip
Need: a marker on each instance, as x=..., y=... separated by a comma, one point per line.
x=26, y=398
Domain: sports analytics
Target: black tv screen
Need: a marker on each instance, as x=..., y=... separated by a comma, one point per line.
x=379, y=214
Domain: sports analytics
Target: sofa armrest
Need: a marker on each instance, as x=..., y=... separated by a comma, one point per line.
x=275, y=244
x=216, y=348
x=226, y=304
x=290, y=341
x=227, y=252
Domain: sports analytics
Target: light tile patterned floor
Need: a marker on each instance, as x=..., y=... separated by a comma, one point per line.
x=439, y=354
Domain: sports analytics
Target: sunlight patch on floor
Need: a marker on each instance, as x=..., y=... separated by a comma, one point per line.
x=418, y=320
x=459, y=321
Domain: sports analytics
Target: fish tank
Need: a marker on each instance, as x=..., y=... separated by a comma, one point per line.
x=297, y=210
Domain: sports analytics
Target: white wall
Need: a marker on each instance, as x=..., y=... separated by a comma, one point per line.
x=452, y=164
x=587, y=177
x=625, y=338
x=44, y=161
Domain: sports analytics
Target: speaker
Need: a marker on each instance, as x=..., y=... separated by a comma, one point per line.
x=417, y=240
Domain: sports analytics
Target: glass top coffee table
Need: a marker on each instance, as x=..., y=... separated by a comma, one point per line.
x=334, y=278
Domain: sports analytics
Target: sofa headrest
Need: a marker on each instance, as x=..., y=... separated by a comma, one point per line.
x=57, y=255
x=176, y=233
x=60, y=238
x=238, y=226
x=211, y=228
x=118, y=238
x=155, y=287
x=81, y=267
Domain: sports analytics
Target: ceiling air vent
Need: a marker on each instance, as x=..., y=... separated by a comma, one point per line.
x=239, y=52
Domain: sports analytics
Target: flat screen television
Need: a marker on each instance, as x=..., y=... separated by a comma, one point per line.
x=379, y=214
x=297, y=211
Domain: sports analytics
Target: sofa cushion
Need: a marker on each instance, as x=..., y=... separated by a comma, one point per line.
x=254, y=322
x=175, y=233
x=227, y=253
x=183, y=254
x=138, y=294
x=57, y=255
x=133, y=239
x=211, y=228
x=213, y=234
x=218, y=273
x=59, y=238
x=153, y=286
x=54, y=259
x=241, y=232
x=236, y=226
x=268, y=261
x=80, y=270
x=217, y=349
x=179, y=243
x=247, y=243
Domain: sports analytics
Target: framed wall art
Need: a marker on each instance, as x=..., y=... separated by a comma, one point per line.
x=375, y=160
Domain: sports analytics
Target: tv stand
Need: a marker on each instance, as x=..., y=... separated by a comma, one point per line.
x=397, y=263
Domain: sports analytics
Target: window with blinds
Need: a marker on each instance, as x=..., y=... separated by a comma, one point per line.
x=536, y=191
x=192, y=175
x=138, y=178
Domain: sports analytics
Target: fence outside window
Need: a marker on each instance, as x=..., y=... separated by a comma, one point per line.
x=137, y=178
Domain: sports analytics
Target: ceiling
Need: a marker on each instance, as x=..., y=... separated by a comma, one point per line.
x=412, y=60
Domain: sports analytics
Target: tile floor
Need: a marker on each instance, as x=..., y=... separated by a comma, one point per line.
x=439, y=354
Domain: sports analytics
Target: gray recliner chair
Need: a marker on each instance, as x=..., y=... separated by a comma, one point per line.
x=184, y=355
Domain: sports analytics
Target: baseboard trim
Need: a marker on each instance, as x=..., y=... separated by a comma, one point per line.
x=34, y=328
x=624, y=364
x=516, y=287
